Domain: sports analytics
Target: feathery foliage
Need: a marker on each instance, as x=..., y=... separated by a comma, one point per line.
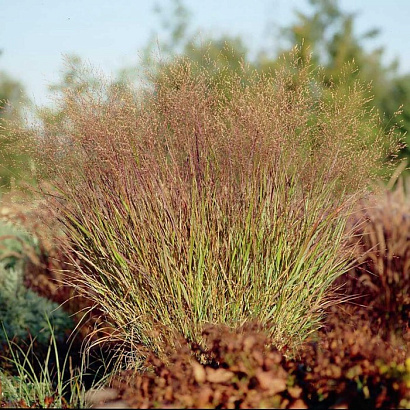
x=209, y=201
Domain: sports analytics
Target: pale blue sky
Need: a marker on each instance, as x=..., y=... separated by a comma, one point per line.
x=35, y=34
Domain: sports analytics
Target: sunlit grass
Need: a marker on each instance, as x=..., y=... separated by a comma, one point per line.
x=42, y=382
x=189, y=203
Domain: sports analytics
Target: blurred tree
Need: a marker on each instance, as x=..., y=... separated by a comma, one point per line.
x=396, y=98
x=325, y=37
x=329, y=34
x=75, y=78
x=175, y=24
x=223, y=55
x=15, y=165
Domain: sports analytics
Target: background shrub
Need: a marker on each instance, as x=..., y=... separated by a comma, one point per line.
x=45, y=262
x=381, y=229
x=23, y=313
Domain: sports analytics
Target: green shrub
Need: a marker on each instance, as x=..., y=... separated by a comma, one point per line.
x=15, y=245
x=36, y=238
x=23, y=312
x=185, y=205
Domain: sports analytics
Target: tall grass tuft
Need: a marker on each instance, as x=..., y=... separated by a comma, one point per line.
x=189, y=202
x=381, y=227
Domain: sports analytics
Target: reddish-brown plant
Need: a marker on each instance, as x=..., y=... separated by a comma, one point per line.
x=381, y=238
x=191, y=202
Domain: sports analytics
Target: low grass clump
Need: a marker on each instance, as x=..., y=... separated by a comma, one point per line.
x=47, y=379
x=190, y=202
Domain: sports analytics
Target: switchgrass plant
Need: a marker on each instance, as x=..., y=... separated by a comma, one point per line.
x=271, y=256
x=381, y=226
x=188, y=202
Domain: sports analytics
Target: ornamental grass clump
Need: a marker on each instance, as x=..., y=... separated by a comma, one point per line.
x=189, y=202
x=381, y=229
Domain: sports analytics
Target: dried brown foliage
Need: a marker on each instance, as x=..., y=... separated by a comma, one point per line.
x=241, y=372
x=348, y=365
x=352, y=365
